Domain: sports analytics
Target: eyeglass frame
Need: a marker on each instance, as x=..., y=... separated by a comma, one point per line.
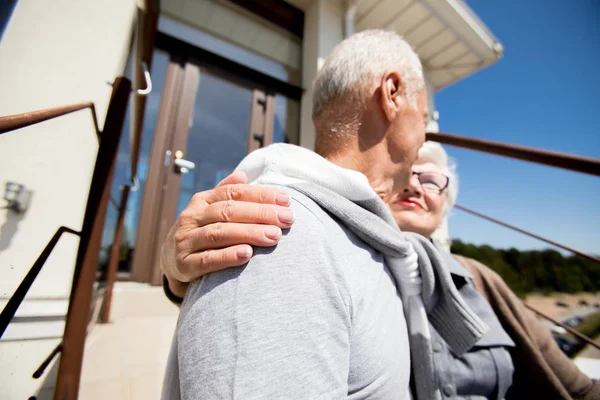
x=440, y=191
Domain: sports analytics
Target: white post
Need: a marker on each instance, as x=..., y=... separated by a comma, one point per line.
x=323, y=22
x=349, y=18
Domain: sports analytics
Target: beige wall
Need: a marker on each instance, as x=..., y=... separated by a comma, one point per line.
x=52, y=53
x=241, y=27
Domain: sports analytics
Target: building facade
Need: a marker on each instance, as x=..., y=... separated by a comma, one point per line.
x=227, y=77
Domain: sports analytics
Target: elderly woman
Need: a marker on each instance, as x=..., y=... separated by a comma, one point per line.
x=516, y=358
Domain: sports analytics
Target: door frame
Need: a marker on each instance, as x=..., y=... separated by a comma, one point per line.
x=168, y=192
x=146, y=240
x=160, y=198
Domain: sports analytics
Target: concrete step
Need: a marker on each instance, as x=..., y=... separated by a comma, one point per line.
x=33, y=330
x=40, y=307
x=37, y=319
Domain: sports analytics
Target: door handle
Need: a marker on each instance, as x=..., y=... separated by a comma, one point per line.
x=260, y=138
x=184, y=166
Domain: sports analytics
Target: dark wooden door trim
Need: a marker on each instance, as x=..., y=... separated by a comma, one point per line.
x=225, y=67
x=269, y=119
x=256, y=135
x=146, y=239
x=172, y=177
x=277, y=12
x=262, y=120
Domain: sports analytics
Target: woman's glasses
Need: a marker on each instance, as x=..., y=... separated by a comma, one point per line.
x=434, y=182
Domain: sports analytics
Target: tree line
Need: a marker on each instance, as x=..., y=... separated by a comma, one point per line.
x=539, y=271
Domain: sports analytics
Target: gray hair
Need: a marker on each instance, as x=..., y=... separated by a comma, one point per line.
x=434, y=152
x=361, y=60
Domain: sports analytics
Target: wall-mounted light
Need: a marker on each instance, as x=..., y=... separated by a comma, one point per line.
x=17, y=197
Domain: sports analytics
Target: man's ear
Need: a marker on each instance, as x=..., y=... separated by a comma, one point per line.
x=392, y=94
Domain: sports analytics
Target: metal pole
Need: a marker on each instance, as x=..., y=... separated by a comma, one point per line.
x=9, y=311
x=17, y=121
x=115, y=253
x=571, y=162
x=42, y=368
x=523, y=231
x=69, y=371
x=575, y=332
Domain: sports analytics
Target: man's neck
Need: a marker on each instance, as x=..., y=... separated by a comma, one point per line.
x=374, y=163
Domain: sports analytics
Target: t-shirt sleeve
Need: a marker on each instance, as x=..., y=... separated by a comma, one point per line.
x=277, y=328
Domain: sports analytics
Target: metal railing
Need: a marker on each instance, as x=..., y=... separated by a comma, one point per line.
x=586, y=165
x=570, y=162
x=530, y=234
x=113, y=259
x=18, y=121
x=18, y=296
x=72, y=346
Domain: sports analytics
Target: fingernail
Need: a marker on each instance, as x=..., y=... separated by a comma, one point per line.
x=243, y=252
x=283, y=199
x=273, y=232
x=286, y=216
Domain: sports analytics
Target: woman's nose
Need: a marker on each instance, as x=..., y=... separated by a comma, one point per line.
x=414, y=186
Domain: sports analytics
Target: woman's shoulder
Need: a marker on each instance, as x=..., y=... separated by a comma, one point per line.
x=484, y=278
x=473, y=266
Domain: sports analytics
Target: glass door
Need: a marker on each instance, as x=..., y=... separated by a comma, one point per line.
x=207, y=123
x=217, y=138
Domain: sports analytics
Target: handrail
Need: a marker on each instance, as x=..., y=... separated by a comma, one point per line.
x=573, y=331
x=17, y=121
x=69, y=370
x=16, y=299
x=113, y=260
x=587, y=165
x=523, y=231
x=40, y=370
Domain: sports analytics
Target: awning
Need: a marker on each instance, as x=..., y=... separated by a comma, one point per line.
x=451, y=40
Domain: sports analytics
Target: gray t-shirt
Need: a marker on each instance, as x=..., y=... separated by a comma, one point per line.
x=316, y=317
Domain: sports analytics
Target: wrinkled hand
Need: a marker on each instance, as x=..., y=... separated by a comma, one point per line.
x=218, y=227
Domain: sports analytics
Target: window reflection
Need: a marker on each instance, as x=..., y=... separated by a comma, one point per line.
x=218, y=137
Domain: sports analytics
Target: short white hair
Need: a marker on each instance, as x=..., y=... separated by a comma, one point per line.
x=362, y=59
x=434, y=152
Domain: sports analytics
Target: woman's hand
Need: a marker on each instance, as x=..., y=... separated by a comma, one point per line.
x=218, y=227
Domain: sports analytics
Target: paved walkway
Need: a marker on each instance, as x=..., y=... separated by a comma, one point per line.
x=125, y=359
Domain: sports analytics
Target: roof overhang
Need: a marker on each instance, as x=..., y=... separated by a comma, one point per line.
x=450, y=39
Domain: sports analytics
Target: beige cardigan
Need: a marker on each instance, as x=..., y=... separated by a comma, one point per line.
x=542, y=370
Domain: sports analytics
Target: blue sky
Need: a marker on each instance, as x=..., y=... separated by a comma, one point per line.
x=544, y=93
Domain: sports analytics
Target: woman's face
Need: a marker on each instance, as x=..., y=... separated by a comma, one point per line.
x=420, y=206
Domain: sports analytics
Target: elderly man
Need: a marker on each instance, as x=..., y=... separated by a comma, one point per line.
x=318, y=316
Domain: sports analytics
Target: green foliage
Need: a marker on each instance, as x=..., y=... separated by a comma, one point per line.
x=542, y=271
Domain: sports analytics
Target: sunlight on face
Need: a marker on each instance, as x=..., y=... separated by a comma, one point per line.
x=419, y=207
